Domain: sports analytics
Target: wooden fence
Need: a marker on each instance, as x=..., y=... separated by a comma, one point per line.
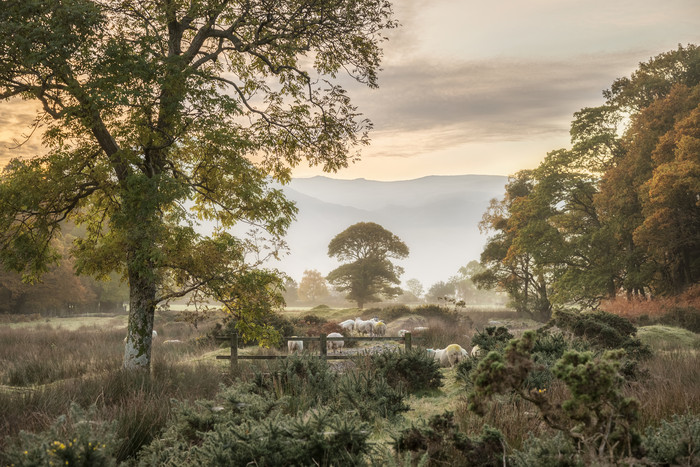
x=407, y=339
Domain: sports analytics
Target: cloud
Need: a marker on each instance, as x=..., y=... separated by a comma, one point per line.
x=439, y=104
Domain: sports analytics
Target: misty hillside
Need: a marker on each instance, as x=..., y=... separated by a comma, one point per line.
x=436, y=216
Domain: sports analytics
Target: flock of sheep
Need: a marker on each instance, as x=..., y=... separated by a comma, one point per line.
x=447, y=357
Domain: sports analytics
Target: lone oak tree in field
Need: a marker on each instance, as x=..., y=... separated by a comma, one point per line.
x=159, y=113
x=368, y=273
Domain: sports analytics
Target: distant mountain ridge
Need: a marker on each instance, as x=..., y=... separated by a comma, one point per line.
x=436, y=216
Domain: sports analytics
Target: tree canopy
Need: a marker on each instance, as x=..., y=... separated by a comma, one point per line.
x=368, y=273
x=619, y=212
x=312, y=286
x=158, y=114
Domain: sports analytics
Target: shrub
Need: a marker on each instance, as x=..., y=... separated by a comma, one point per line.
x=675, y=442
x=441, y=443
x=604, y=330
x=274, y=326
x=72, y=440
x=597, y=416
x=321, y=438
x=305, y=381
x=492, y=338
x=414, y=370
x=370, y=396
x=683, y=317
x=547, y=451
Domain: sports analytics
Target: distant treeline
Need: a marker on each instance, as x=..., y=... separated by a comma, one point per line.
x=60, y=290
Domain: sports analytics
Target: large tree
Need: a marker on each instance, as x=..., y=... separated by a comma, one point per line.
x=159, y=113
x=312, y=286
x=368, y=274
x=620, y=210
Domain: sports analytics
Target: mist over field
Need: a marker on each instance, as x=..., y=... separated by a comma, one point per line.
x=436, y=216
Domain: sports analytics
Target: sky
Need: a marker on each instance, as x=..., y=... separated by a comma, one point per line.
x=473, y=87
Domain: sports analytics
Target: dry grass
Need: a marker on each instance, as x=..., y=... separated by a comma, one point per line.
x=653, y=307
x=672, y=387
x=43, y=369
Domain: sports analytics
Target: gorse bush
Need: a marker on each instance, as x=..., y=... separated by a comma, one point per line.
x=547, y=451
x=605, y=331
x=370, y=396
x=76, y=439
x=319, y=438
x=439, y=442
x=597, y=416
x=675, y=442
x=257, y=424
x=305, y=381
x=301, y=383
x=492, y=338
x=413, y=371
x=601, y=329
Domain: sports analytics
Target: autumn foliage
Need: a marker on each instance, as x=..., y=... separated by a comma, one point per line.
x=617, y=214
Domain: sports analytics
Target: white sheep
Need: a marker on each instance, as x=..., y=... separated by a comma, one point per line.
x=295, y=346
x=333, y=344
x=402, y=332
x=476, y=351
x=348, y=325
x=379, y=329
x=365, y=327
x=154, y=335
x=420, y=329
x=449, y=356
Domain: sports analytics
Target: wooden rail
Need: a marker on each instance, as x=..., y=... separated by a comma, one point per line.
x=323, y=339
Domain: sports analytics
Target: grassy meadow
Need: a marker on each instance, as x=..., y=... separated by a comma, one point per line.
x=51, y=367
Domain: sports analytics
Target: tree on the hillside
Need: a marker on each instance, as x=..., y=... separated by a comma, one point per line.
x=368, y=274
x=156, y=114
x=440, y=290
x=415, y=287
x=312, y=286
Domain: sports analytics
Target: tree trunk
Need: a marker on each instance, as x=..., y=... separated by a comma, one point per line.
x=140, y=223
x=142, y=305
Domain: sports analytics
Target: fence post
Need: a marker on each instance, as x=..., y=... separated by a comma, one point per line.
x=407, y=341
x=322, y=344
x=234, y=352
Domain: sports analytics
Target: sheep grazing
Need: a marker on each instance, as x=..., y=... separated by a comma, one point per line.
x=348, y=325
x=333, y=344
x=295, y=346
x=402, y=332
x=365, y=327
x=476, y=351
x=449, y=356
x=379, y=329
x=420, y=329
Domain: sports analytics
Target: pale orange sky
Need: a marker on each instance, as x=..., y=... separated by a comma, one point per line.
x=481, y=87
